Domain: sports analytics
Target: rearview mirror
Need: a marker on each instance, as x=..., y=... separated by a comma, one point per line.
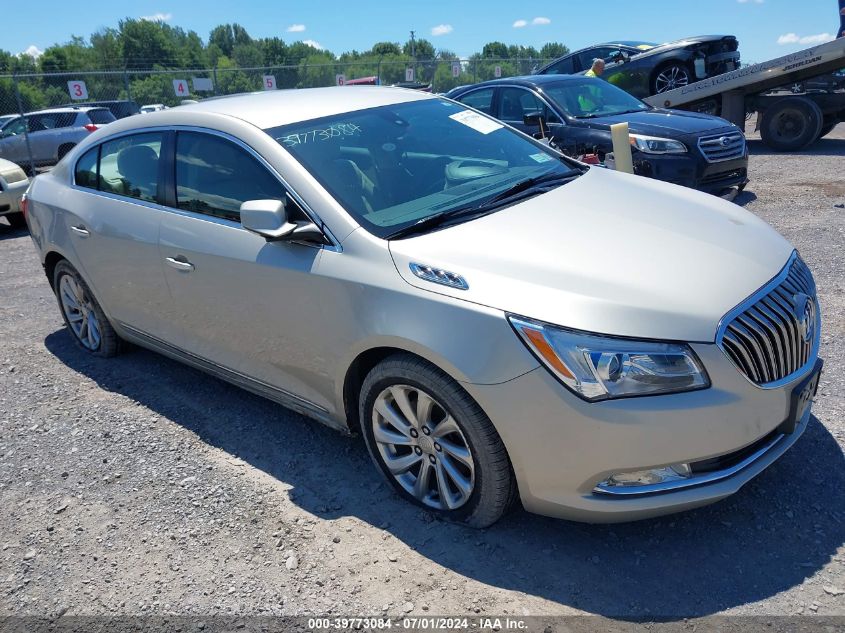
x=269, y=219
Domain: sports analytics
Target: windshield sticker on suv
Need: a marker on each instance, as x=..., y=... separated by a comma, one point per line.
x=541, y=158
x=476, y=121
x=321, y=134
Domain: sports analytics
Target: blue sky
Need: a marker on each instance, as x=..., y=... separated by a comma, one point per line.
x=765, y=28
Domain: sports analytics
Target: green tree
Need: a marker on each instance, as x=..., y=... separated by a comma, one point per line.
x=553, y=50
x=146, y=44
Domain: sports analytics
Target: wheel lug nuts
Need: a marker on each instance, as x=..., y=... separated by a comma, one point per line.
x=437, y=447
x=417, y=450
x=431, y=458
x=426, y=430
x=414, y=433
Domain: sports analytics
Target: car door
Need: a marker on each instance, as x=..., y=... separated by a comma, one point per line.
x=112, y=219
x=240, y=302
x=514, y=102
x=13, y=142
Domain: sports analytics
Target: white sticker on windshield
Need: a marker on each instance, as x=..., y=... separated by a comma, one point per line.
x=476, y=121
x=541, y=158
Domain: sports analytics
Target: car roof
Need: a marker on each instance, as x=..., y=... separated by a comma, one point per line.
x=67, y=109
x=272, y=108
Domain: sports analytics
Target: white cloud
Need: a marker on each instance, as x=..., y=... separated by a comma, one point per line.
x=295, y=28
x=520, y=24
x=540, y=21
x=33, y=51
x=157, y=17
x=313, y=43
x=441, y=29
x=750, y=1
x=794, y=38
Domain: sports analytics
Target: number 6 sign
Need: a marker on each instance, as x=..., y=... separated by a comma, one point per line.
x=180, y=87
x=77, y=89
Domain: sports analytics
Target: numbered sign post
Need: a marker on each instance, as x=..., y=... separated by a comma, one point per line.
x=78, y=90
x=180, y=87
x=409, y=74
x=497, y=71
x=340, y=80
x=456, y=69
x=269, y=82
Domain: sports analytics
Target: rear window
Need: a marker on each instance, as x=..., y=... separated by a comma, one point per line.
x=100, y=116
x=51, y=121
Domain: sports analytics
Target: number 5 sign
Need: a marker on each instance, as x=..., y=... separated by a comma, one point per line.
x=77, y=90
x=269, y=82
x=180, y=87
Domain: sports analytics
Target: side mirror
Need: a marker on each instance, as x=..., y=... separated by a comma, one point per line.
x=535, y=118
x=269, y=219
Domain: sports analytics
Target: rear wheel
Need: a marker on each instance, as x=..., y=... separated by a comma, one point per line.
x=669, y=77
x=791, y=124
x=16, y=220
x=433, y=443
x=82, y=314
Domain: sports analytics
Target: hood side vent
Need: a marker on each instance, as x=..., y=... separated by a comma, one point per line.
x=439, y=276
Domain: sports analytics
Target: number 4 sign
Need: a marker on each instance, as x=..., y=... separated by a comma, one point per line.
x=180, y=87
x=269, y=82
x=77, y=90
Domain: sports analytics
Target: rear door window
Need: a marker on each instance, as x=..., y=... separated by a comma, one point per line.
x=565, y=66
x=101, y=116
x=129, y=166
x=85, y=174
x=214, y=176
x=51, y=121
x=480, y=100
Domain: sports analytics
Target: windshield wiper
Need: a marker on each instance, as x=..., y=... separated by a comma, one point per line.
x=446, y=217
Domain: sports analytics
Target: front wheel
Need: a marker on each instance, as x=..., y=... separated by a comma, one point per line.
x=433, y=443
x=82, y=313
x=670, y=77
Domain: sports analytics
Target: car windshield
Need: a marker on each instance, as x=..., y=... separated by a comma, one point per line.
x=586, y=98
x=395, y=166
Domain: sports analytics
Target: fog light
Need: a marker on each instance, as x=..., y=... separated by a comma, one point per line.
x=675, y=472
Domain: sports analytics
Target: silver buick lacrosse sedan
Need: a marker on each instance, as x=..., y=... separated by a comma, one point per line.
x=499, y=322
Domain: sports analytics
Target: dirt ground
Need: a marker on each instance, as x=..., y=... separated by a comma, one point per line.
x=140, y=486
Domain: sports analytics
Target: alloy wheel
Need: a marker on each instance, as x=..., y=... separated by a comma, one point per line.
x=79, y=312
x=671, y=78
x=423, y=447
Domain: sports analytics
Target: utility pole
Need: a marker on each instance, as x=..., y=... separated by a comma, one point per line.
x=413, y=47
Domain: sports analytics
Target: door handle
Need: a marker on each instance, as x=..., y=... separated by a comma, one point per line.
x=80, y=230
x=179, y=264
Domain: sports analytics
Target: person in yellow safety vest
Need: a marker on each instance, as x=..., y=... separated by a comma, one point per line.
x=587, y=102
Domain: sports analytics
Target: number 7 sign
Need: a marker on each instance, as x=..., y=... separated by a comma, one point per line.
x=180, y=87
x=77, y=89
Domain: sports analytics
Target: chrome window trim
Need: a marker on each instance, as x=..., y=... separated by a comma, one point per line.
x=752, y=300
x=312, y=215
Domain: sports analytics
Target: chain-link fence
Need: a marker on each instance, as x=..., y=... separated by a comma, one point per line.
x=26, y=93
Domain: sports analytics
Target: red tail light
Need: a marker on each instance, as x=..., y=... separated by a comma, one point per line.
x=91, y=127
x=24, y=205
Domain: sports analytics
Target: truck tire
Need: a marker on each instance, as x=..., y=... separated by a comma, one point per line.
x=827, y=129
x=791, y=124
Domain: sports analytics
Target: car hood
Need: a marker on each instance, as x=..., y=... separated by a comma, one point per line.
x=657, y=122
x=609, y=253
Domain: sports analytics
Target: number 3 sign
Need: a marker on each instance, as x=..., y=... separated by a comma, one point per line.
x=180, y=87
x=77, y=90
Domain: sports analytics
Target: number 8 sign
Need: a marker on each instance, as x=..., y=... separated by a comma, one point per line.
x=180, y=87
x=77, y=89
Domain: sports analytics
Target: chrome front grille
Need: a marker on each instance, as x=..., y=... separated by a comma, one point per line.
x=775, y=334
x=720, y=147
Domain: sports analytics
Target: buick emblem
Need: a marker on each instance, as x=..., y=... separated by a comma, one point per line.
x=805, y=312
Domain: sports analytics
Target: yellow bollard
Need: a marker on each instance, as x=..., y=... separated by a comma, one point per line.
x=622, y=148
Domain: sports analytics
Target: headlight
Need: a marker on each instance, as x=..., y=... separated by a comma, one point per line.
x=656, y=145
x=598, y=367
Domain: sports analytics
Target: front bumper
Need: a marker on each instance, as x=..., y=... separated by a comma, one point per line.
x=562, y=447
x=692, y=170
x=10, y=196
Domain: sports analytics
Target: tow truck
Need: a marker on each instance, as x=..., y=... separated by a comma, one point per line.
x=787, y=122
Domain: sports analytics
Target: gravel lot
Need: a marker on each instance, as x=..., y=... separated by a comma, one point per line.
x=140, y=486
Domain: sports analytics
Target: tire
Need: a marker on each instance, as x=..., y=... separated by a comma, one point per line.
x=476, y=495
x=16, y=220
x=791, y=124
x=71, y=290
x=827, y=129
x=671, y=76
x=64, y=149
